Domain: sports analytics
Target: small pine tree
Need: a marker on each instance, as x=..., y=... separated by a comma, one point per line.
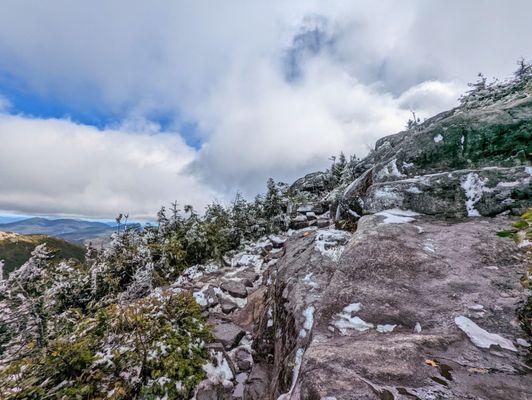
x=273, y=205
x=479, y=85
x=413, y=122
x=524, y=69
x=337, y=168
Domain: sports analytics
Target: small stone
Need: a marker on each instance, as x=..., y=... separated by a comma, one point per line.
x=311, y=215
x=322, y=223
x=234, y=288
x=266, y=245
x=238, y=392
x=228, y=334
x=305, y=208
x=228, y=306
x=243, y=359
x=277, y=241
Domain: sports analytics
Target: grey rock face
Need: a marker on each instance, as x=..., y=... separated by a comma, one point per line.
x=408, y=169
x=228, y=306
x=461, y=193
x=315, y=182
x=208, y=390
x=418, y=303
x=348, y=329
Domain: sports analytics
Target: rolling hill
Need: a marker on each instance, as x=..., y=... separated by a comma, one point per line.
x=15, y=249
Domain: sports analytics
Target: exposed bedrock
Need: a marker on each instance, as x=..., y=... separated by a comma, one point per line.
x=385, y=319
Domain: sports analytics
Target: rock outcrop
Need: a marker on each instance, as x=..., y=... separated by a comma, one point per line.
x=459, y=163
x=419, y=302
x=381, y=321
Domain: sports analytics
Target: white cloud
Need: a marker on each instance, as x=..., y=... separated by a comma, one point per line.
x=431, y=97
x=272, y=128
x=59, y=167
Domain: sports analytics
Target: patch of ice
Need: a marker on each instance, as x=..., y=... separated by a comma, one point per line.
x=347, y=322
x=309, y=321
x=428, y=247
x=528, y=170
x=353, y=213
x=473, y=187
x=193, y=272
x=387, y=193
x=408, y=165
x=310, y=281
x=390, y=169
x=417, y=328
x=507, y=184
x=386, y=328
x=522, y=342
x=438, y=138
x=200, y=298
x=221, y=372
x=397, y=216
x=524, y=243
x=414, y=190
x=329, y=242
x=351, y=308
x=480, y=337
x=269, y=324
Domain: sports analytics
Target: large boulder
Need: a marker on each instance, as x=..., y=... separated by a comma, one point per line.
x=234, y=288
x=228, y=334
x=411, y=307
x=409, y=168
x=461, y=193
x=314, y=183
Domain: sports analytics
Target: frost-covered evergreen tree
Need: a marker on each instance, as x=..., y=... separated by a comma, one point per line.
x=273, y=204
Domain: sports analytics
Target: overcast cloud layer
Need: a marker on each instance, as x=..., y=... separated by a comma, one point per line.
x=273, y=89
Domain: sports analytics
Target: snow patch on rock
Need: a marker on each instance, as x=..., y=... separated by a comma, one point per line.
x=309, y=321
x=397, y=216
x=219, y=372
x=386, y=328
x=473, y=187
x=345, y=321
x=390, y=169
x=330, y=242
x=480, y=337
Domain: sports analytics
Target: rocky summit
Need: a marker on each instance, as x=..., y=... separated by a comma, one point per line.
x=393, y=278
x=418, y=300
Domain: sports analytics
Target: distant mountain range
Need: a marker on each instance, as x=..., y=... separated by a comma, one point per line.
x=72, y=230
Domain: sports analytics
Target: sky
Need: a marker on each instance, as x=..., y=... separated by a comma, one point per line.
x=124, y=106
